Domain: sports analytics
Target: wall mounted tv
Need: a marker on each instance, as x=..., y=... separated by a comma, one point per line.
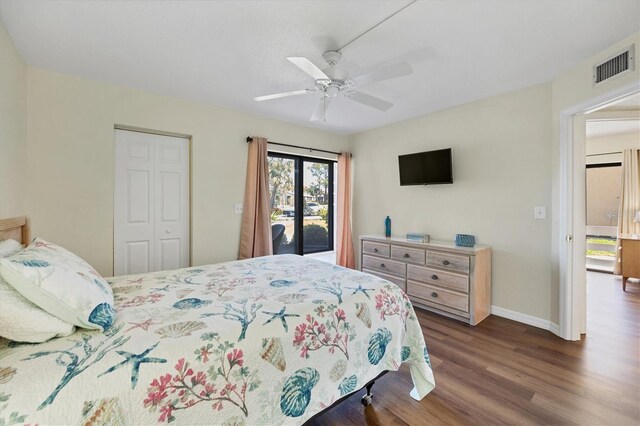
x=426, y=168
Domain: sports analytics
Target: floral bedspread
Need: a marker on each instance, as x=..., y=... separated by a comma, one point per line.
x=266, y=341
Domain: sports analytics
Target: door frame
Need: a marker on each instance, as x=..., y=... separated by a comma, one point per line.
x=299, y=196
x=572, y=290
x=189, y=139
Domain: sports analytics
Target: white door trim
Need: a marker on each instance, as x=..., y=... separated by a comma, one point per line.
x=572, y=307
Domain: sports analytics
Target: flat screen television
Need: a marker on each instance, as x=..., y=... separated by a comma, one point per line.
x=426, y=168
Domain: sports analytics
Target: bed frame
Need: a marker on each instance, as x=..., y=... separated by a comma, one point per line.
x=17, y=228
x=366, y=399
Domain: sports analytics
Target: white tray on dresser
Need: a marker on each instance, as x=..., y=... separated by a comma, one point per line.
x=437, y=276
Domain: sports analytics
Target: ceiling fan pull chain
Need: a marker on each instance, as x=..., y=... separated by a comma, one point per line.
x=378, y=24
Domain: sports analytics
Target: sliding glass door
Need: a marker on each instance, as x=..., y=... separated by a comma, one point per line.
x=302, y=203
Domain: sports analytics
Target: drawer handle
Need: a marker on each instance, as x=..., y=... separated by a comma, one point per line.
x=434, y=276
x=382, y=265
x=434, y=294
x=375, y=250
x=445, y=262
x=406, y=255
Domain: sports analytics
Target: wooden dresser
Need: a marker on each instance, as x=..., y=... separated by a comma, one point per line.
x=437, y=276
x=629, y=258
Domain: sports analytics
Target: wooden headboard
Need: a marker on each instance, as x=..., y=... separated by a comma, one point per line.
x=16, y=228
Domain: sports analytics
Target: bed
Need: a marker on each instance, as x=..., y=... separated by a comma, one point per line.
x=273, y=340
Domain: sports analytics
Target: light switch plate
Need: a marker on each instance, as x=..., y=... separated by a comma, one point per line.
x=238, y=208
x=539, y=212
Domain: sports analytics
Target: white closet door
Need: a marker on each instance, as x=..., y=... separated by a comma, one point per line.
x=151, y=217
x=172, y=203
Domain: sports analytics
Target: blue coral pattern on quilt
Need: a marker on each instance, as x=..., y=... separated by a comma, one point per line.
x=270, y=340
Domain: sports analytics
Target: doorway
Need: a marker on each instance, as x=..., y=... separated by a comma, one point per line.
x=151, y=202
x=302, y=203
x=573, y=206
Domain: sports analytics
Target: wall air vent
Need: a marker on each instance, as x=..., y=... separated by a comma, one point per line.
x=619, y=64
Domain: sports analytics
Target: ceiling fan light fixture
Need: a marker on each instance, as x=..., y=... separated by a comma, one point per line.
x=332, y=91
x=331, y=57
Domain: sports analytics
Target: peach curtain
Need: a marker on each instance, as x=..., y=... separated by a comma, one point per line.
x=344, y=247
x=629, y=199
x=255, y=239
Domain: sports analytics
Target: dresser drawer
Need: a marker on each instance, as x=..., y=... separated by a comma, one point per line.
x=384, y=265
x=408, y=255
x=438, y=295
x=448, y=261
x=400, y=282
x=376, y=249
x=449, y=280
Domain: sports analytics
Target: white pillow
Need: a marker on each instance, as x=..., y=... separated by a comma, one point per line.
x=9, y=247
x=60, y=283
x=21, y=320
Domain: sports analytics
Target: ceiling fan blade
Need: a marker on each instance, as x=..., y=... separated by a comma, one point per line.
x=309, y=67
x=369, y=100
x=321, y=109
x=386, y=73
x=282, y=95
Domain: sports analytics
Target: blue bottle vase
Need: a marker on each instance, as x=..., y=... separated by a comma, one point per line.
x=387, y=227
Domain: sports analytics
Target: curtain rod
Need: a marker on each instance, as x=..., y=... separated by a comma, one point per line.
x=250, y=139
x=605, y=153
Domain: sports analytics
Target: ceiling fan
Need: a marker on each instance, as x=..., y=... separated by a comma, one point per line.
x=334, y=80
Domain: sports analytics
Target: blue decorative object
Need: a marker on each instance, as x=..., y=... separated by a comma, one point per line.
x=418, y=238
x=102, y=315
x=296, y=392
x=464, y=240
x=387, y=227
x=378, y=345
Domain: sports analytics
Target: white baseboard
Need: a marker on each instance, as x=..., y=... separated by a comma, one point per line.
x=525, y=319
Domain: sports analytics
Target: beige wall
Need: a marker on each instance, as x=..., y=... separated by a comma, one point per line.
x=13, y=129
x=71, y=161
x=501, y=162
x=611, y=143
x=506, y=160
x=603, y=195
x=603, y=184
x=571, y=89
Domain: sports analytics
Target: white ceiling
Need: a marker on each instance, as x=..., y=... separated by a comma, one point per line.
x=596, y=129
x=226, y=53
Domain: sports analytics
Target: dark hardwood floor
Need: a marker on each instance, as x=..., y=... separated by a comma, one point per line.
x=504, y=372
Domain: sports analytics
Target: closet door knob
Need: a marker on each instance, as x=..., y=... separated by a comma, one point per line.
x=445, y=262
x=434, y=294
x=434, y=276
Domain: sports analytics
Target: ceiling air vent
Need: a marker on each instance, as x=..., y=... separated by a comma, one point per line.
x=621, y=63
